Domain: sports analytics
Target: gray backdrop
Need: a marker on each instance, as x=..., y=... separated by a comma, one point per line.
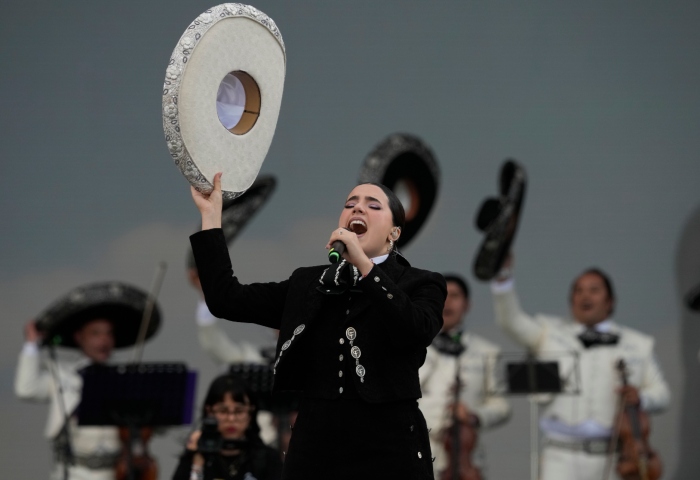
x=599, y=100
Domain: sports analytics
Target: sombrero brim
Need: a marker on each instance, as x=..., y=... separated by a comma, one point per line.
x=404, y=158
x=121, y=304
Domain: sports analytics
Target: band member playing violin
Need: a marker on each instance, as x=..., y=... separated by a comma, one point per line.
x=578, y=429
x=94, y=449
x=93, y=320
x=452, y=350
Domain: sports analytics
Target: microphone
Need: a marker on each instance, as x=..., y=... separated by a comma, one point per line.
x=336, y=251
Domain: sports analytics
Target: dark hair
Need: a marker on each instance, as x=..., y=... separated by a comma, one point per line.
x=460, y=281
x=606, y=280
x=398, y=215
x=240, y=393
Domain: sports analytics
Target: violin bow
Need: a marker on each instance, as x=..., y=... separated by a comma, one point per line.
x=156, y=283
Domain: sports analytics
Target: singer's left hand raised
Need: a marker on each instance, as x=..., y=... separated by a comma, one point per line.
x=353, y=250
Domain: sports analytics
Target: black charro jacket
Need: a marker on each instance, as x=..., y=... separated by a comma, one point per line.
x=396, y=316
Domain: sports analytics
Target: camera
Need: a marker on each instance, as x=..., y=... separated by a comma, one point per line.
x=210, y=441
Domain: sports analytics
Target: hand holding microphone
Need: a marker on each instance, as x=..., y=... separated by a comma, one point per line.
x=344, y=243
x=337, y=249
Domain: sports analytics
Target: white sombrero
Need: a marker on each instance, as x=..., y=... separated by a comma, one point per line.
x=222, y=96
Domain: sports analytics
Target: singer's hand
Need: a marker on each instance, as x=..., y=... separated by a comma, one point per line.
x=209, y=205
x=353, y=250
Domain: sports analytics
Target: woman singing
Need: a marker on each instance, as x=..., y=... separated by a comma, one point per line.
x=352, y=337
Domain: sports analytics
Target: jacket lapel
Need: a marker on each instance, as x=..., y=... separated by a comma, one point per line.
x=393, y=269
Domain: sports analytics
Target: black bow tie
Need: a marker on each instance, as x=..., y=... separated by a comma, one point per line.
x=591, y=338
x=339, y=278
x=449, y=344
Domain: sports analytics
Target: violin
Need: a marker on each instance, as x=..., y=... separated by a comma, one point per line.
x=637, y=460
x=460, y=440
x=135, y=461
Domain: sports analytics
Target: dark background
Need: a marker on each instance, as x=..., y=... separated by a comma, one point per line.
x=599, y=100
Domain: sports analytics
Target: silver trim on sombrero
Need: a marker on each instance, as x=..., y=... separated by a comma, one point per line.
x=173, y=75
x=58, y=317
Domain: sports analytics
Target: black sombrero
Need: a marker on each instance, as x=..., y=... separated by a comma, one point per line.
x=237, y=212
x=121, y=304
x=406, y=165
x=498, y=218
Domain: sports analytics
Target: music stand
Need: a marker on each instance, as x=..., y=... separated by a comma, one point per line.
x=550, y=373
x=260, y=379
x=136, y=396
x=532, y=377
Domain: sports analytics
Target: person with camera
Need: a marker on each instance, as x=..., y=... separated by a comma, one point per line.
x=228, y=445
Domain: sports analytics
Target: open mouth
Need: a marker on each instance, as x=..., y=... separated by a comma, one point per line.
x=586, y=306
x=358, y=227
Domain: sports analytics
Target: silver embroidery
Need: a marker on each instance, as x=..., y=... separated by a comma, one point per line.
x=337, y=272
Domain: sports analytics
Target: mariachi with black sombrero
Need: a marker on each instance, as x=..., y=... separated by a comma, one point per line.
x=93, y=318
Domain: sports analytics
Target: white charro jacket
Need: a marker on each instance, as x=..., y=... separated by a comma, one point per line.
x=550, y=337
x=34, y=382
x=477, y=375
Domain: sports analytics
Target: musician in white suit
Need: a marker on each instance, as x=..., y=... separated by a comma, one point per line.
x=577, y=428
x=475, y=357
x=95, y=449
x=214, y=340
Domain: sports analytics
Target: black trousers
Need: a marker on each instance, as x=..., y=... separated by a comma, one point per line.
x=352, y=439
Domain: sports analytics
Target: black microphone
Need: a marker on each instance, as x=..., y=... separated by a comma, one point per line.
x=336, y=251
